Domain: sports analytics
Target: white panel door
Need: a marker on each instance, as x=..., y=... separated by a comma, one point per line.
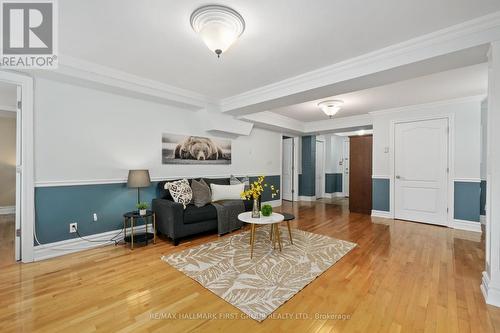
x=287, y=187
x=421, y=171
x=320, y=169
x=345, y=165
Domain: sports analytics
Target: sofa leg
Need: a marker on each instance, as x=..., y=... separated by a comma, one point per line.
x=176, y=242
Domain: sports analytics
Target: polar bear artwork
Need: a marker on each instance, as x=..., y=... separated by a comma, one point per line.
x=195, y=150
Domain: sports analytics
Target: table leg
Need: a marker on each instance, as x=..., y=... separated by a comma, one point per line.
x=252, y=240
x=289, y=231
x=278, y=235
x=132, y=233
x=154, y=228
x=271, y=233
x=274, y=235
x=124, y=229
x=146, y=223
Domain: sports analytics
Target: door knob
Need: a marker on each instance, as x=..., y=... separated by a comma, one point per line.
x=398, y=177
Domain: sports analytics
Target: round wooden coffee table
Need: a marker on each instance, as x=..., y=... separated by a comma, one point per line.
x=274, y=219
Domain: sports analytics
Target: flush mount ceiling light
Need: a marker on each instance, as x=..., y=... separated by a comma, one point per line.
x=331, y=107
x=218, y=26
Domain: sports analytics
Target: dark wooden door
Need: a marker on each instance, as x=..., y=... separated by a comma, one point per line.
x=360, y=174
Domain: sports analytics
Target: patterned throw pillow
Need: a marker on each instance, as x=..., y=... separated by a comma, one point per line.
x=181, y=191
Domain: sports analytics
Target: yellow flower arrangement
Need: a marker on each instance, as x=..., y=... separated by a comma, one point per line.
x=257, y=188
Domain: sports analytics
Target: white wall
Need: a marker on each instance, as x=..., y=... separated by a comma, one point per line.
x=334, y=152
x=467, y=125
x=83, y=134
x=484, y=137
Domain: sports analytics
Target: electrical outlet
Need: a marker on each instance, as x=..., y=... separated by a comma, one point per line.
x=95, y=217
x=73, y=227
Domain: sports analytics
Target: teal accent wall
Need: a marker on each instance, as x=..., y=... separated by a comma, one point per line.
x=307, y=180
x=482, y=200
x=467, y=201
x=333, y=182
x=270, y=180
x=381, y=194
x=57, y=207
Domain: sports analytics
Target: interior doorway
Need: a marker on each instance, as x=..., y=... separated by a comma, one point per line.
x=288, y=185
x=10, y=182
x=345, y=166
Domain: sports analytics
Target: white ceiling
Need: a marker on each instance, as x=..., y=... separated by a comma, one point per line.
x=283, y=38
x=461, y=82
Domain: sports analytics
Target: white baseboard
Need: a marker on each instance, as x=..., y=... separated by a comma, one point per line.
x=307, y=198
x=68, y=246
x=467, y=225
x=482, y=219
x=7, y=210
x=334, y=195
x=490, y=293
x=273, y=203
x=382, y=213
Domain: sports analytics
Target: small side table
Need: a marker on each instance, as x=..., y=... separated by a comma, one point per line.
x=143, y=237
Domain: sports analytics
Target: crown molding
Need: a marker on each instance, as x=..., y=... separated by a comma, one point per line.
x=275, y=122
x=468, y=34
x=417, y=107
x=80, y=71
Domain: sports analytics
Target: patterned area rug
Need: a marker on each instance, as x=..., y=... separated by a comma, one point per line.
x=260, y=285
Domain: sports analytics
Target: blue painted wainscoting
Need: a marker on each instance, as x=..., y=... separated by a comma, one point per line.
x=467, y=201
x=57, y=207
x=381, y=194
x=333, y=182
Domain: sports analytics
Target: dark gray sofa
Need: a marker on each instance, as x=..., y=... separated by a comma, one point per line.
x=175, y=222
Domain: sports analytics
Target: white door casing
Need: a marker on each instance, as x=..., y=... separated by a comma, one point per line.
x=421, y=171
x=287, y=191
x=19, y=169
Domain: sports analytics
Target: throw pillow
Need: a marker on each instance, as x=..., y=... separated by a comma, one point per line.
x=243, y=180
x=201, y=193
x=181, y=191
x=226, y=192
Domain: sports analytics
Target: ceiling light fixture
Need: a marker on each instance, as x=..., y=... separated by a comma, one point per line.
x=330, y=107
x=218, y=26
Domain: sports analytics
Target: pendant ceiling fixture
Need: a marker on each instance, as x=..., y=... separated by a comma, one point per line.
x=330, y=107
x=218, y=26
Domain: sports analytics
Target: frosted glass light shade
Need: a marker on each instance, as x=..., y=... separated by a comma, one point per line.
x=218, y=26
x=330, y=108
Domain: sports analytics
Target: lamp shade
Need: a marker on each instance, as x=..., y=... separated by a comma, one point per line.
x=138, y=178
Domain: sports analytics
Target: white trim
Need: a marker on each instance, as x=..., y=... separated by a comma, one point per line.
x=124, y=83
x=461, y=36
x=307, y=198
x=26, y=166
x=482, y=219
x=55, y=183
x=491, y=293
x=64, y=247
x=381, y=177
x=451, y=158
x=381, y=213
x=273, y=203
x=8, y=108
x=431, y=105
x=467, y=180
x=334, y=195
x=7, y=210
x=466, y=225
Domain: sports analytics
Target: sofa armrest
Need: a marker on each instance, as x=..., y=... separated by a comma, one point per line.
x=169, y=217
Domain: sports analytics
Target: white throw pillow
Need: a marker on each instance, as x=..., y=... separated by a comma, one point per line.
x=181, y=191
x=226, y=192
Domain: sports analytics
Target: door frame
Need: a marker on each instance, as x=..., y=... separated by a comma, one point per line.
x=26, y=168
x=450, y=117
x=292, y=167
x=323, y=167
x=345, y=144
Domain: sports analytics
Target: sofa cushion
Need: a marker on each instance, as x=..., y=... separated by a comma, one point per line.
x=193, y=214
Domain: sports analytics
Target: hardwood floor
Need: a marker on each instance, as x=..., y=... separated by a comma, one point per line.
x=7, y=226
x=402, y=277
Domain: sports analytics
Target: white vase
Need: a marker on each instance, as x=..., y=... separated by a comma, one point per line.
x=142, y=212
